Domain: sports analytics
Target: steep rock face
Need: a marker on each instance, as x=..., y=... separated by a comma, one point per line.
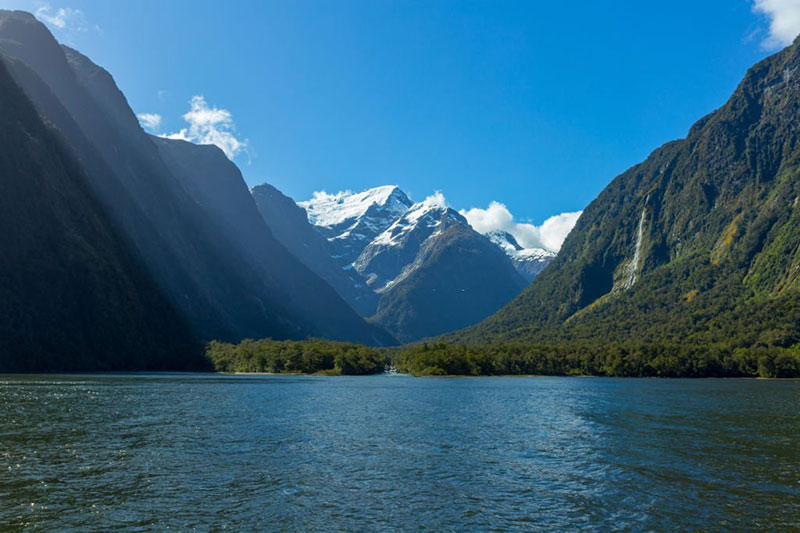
x=186, y=227
x=529, y=262
x=298, y=295
x=693, y=244
x=216, y=186
x=457, y=278
x=289, y=223
x=124, y=170
x=398, y=245
x=350, y=221
x=73, y=296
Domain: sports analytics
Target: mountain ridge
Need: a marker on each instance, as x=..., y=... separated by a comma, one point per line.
x=386, y=256
x=351, y=220
x=457, y=278
x=225, y=287
x=289, y=223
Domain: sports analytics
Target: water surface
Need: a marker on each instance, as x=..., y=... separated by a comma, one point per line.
x=370, y=453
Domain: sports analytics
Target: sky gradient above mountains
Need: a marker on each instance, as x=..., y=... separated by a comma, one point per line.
x=543, y=132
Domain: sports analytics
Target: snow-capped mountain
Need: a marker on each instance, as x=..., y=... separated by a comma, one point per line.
x=350, y=221
x=431, y=270
x=528, y=261
x=394, y=249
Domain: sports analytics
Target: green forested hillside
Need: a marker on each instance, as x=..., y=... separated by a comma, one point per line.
x=698, y=245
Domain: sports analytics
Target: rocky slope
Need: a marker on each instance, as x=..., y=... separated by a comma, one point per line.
x=299, y=296
x=289, y=224
x=397, y=247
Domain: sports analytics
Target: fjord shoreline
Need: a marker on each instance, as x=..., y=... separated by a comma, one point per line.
x=439, y=359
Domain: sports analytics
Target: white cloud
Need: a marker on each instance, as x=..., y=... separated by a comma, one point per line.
x=784, y=21
x=150, y=121
x=436, y=199
x=550, y=235
x=62, y=18
x=210, y=125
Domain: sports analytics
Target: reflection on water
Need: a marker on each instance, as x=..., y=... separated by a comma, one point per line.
x=387, y=452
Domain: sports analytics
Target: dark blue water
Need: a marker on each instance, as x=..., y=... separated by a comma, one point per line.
x=372, y=453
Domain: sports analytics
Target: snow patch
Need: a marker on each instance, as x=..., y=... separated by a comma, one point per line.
x=427, y=212
x=326, y=209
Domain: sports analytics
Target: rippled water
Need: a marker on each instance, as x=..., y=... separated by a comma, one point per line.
x=367, y=453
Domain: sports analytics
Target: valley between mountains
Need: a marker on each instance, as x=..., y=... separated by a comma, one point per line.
x=124, y=250
x=417, y=269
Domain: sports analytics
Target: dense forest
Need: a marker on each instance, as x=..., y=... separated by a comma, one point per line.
x=439, y=359
x=296, y=357
x=616, y=360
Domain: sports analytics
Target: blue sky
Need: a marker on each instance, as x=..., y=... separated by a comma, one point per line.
x=536, y=105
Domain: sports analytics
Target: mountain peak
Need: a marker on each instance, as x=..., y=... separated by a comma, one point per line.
x=325, y=209
x=351, y=220
x=389, y=192
x=504, y=240
x=22, y=15
x=389, y=252
x=23, y=29
x=24, y=37
x=433, y=203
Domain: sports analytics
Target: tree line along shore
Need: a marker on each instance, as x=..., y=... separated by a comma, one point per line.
x=315, y=356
